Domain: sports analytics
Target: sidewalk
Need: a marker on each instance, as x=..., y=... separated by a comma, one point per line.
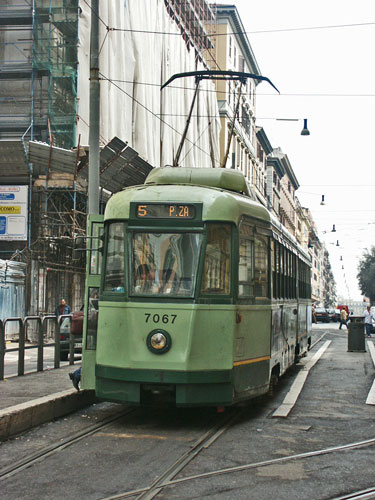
x=37, y=398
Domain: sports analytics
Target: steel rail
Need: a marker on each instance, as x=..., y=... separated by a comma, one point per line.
x=208, y=438
x=256, y=465
x=156, y=487
x=50, y=450
x=358, y=495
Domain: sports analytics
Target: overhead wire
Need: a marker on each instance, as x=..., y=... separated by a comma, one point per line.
x=152, y=113
x=254, y=32
x=282, y=94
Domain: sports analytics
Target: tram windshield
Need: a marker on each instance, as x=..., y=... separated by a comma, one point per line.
x=165, y=263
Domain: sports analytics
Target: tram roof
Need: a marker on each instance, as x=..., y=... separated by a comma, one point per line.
x=220, y=192
x=221, y=178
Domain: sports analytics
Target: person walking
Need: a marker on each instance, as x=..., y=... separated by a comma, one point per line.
x=62, y=308
x=368, y=317
x=313, y=314
x=343, y=318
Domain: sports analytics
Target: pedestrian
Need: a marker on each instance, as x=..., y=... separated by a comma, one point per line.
x=368, y=317
x=343, y=318
x=62, y=308
x=75, y=377
x=313, y=313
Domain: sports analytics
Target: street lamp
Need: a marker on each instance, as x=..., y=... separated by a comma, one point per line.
x=305, y=130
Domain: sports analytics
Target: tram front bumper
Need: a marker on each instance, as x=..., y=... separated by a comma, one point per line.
x=137, y=387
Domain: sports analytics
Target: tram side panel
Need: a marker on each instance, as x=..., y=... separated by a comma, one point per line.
x=289, y=336
x=252, y=352
x=196, y=368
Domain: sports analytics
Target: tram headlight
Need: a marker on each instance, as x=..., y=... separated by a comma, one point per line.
x=159, y=341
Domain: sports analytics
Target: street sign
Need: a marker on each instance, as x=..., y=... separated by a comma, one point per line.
x=13, y=212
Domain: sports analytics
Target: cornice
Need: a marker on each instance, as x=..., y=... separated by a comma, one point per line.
x=231, y=12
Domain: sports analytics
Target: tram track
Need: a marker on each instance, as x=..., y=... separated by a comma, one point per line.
x=203, y=442
x=43, y=453
x=358, y=495
x=150, y=492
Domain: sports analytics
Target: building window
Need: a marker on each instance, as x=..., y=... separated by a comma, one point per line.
x=230, y=47
x=241, y=63
x=234, y=57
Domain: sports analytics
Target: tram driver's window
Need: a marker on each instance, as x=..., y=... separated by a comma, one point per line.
x=217, y=262
x=246, y=262
x=114, y=266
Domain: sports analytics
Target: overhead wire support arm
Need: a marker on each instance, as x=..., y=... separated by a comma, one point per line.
x=222, y=75
x=212, y=75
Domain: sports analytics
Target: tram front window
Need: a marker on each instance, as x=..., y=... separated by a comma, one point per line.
x=165, y=263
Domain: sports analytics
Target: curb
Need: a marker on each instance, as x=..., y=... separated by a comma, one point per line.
x=22, y=417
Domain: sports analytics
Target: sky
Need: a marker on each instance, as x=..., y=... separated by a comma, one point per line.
x=326, y=75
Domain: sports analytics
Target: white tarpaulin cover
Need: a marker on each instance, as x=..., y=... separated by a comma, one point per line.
x=133, y=66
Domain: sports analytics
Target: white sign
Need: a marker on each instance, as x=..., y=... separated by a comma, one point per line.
x=13, y=212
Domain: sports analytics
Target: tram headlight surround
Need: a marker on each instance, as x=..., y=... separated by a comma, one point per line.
x=159, y=341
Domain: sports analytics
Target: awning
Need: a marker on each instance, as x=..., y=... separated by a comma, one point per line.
x=120, y=165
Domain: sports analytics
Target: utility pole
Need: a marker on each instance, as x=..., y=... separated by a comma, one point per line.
x=94, y=159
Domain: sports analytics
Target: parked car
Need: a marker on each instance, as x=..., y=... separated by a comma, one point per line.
x=332, y=315
x=72, y=325
x=322, y=315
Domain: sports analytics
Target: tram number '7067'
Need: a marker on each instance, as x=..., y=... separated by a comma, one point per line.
x=157, y=318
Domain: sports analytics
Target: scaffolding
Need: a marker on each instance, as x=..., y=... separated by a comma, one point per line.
x=55, y=38
x=38, y=70
x=59, y=214
x=197, y=22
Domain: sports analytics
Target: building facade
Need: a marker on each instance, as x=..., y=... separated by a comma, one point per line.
x=236, y=100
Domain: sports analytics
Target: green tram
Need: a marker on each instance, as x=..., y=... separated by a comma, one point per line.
x=199, y=296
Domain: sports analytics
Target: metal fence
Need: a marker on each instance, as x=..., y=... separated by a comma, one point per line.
x=42, y=325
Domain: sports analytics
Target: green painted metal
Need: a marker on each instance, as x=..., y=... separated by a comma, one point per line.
x=218, y=205
x=162, y=376
x=202, y=336
x=92, y=281
x=221, y=178
x=223, y=350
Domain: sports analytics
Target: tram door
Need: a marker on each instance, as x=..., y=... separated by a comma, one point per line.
x=90, y=325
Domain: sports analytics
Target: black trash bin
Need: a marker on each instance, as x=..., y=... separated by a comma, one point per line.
x=356, y=334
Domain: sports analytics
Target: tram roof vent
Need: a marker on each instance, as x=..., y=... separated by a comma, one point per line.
x=222, y=178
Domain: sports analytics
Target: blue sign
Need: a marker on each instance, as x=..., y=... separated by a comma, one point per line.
x=6, y=196
x=3, y=225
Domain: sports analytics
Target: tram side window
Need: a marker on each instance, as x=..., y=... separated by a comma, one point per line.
x=304, y=280
x=114, y=265
x=276, y=277
x=260, y=266
x=217, y=261
x=246, y=262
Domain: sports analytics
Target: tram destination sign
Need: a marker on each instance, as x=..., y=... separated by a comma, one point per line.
x=165, y=211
